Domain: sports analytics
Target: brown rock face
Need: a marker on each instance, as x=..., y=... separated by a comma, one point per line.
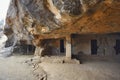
x=45, y=19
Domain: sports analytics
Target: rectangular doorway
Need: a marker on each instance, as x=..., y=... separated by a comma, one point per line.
x=62, y=49
x=117, y=47
x=94, y=47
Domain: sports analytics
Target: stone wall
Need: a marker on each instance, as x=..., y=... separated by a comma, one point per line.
x=81, y=44
x=105, y=43
x=49, y=47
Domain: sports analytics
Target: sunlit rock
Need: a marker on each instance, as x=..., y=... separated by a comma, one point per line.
x=36, y=20
x=4, y=51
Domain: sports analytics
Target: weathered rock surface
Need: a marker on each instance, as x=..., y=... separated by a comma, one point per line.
x=43, y=19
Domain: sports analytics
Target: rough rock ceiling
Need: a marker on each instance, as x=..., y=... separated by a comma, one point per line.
x=59, y=18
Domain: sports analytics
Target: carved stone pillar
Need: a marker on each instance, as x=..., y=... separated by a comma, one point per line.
x=68, y=47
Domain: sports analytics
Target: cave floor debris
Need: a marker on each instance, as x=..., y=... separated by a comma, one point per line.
x=92, y=68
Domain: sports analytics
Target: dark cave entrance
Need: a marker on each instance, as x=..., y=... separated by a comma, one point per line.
x=94, y=47
x=23, y=48
x=62, y=47
x=117, y=47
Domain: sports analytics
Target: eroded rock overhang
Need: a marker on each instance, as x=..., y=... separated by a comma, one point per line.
x=45, y=19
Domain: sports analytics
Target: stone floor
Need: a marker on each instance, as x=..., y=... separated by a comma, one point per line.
x=14, y=68
x=92, y=68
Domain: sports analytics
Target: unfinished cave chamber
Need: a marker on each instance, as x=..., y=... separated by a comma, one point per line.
x=67, y=27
